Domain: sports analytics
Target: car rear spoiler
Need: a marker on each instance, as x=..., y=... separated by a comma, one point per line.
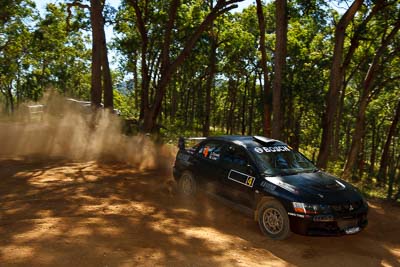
x=182, y=141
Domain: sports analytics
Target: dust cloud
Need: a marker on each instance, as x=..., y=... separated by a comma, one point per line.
x=68, y=129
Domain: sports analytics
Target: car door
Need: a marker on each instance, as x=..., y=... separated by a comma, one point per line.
x=238, y=175
x=207, y=162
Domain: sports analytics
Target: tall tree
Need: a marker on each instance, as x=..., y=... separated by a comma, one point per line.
x=101, y=76
x=212, y=67
x=385, y=154
x=335, y=82
x=267, y=99
x=355, y=40
x=167, y=65
x=368, y=85
x=59, y=57
x=280, y=58
x=14, y=45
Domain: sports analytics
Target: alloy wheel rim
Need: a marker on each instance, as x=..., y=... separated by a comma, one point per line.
x=272, y=220
x=187, y=185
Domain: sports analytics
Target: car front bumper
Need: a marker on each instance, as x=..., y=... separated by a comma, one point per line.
x=328, y=224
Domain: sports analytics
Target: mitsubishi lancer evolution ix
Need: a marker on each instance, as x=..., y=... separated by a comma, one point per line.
x=281, y=188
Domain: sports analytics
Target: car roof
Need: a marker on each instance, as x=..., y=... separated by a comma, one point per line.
x=247, y=140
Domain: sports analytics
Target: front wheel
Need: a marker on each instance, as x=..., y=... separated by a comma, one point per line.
x=187, y=184
x=273, y=220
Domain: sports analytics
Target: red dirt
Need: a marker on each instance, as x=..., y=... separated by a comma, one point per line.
x=65, y=213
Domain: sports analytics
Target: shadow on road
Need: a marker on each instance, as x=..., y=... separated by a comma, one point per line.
x=58, y=213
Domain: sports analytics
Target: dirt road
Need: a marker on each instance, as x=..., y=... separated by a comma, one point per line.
x=59, y=213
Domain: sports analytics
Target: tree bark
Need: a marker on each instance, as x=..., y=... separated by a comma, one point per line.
x=392, y=176
x=251, y=107
x=335, y=84
x=357, y=136
x=361, y=160
x=106, y=73
x=244, y=105
x=212, y=69
x=371, y=169
x=232, y=106
x=280, y=59
x=95, y=19
x=267, y=97
x=145, y=82
x=10, y=98
x=385, y=154
x=135, y=88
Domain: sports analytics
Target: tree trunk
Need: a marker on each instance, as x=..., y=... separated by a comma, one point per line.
x=18, y=87
x=361, y=161
x=267, y=97
x=193, y=107
x=174, y=103
x=135, y=82
x=290, y=118
x=251, y=107
x=212, y=69
x=372, y=158
x=392, y=178
x=335, y=83
x=107, y=81
x=10, y=98
x=339, y=115
x=385, y=154
x=145, y=82
x=356, y=139
x=244, y=105
x=280, y=59
x=232, y=106
x=96, y=22
x=186, y=108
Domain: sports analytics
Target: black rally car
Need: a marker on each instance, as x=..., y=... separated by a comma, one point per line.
x=281, y=187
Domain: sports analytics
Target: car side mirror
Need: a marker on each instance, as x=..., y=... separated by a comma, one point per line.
x=181, y=143
x=250, y=169
x=231, y=149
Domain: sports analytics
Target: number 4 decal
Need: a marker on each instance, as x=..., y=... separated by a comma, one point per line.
x=250, y=181
x=241, y=178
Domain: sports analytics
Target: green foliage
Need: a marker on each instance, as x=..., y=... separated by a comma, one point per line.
x=37, y=53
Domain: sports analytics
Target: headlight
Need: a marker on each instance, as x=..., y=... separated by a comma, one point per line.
x=310, y=208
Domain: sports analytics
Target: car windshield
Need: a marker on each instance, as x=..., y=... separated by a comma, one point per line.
x=282, y=162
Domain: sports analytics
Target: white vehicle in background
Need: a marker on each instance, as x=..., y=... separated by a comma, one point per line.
x=31, y=113
x=85, y=106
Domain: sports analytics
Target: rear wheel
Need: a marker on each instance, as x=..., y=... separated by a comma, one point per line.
x=187, y=184
x=273, y=220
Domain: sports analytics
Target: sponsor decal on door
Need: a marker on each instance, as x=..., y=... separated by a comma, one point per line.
x=241, y=178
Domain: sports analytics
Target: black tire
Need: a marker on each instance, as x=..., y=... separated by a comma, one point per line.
x=187, y=184
x=273, y=220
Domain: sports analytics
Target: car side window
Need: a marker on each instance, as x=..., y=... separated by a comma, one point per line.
x=210, y=150
x=235, y=157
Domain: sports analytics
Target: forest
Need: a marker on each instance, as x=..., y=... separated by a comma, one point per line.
x=321, y=75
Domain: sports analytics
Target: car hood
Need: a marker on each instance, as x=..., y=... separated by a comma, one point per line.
x=317, y=186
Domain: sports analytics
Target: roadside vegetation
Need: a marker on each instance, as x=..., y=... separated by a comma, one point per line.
x=323, y=76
